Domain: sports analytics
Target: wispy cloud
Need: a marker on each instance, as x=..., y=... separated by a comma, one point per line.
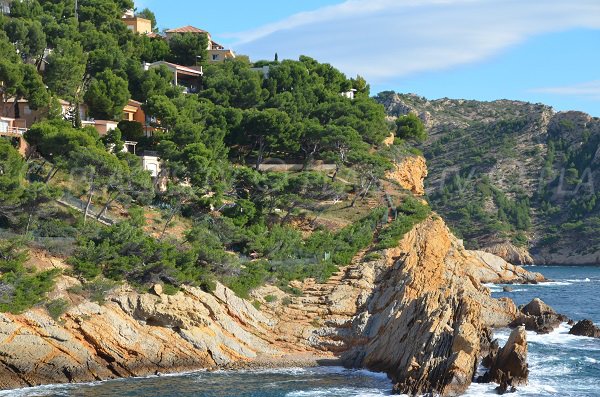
x=381, y=39
x=587, y=90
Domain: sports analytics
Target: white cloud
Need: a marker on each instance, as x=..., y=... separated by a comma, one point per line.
x=587, y=90
x=381, y=39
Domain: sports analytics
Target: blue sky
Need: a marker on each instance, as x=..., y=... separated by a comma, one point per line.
x=536, y=50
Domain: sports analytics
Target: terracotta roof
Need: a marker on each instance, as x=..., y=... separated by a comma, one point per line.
x=186, y=29
x=153, y=35
x=216, y=46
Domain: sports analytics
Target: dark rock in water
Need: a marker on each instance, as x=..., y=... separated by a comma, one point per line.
x=507, y=289
x=585, y=328
x=537, y=307
x=508, y=366
x=539, y=317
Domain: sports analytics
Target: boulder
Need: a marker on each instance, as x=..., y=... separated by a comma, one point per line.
x=585, y=328
x=537, y=307
x=539, y=317
x=508, y=366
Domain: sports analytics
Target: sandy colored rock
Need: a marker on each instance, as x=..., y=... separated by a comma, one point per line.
x=509, y=366
x=511, y=253
x=418, y=312
x=410, y=173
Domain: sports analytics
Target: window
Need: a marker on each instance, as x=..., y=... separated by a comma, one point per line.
x=215, y=57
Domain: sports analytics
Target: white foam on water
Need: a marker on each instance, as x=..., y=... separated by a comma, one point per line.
x=554, y=283
x=341, y=392
x=590, y=360
x=578, y=280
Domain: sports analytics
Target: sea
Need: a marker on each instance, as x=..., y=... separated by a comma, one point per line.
x=560, y=364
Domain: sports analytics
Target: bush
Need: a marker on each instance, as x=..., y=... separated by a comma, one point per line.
x=57, y=307
x=411, y=212
x=253, y=275
x=95, y=291
x=21, y=288
x=270, y=298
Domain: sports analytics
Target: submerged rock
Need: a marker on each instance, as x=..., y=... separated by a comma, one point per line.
x=585, y=328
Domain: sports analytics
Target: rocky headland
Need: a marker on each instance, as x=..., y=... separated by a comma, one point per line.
x=418, y=311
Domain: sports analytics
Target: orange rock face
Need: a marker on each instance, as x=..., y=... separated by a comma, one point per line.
x=418, y=311
x=410, y=174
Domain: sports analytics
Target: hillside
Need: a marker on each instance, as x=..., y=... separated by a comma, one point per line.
x=514, y=178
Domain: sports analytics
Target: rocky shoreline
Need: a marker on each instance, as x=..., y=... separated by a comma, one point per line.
x=420, y=313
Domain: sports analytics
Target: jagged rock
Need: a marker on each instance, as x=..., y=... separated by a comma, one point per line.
x=507, y=251
x=507, y=289
x=585, y=328
x=496, y=270
x=157, y=289
x=410, y=174
x=508, y=366
x=419, y=313
x=539, y=317
x=537, y=307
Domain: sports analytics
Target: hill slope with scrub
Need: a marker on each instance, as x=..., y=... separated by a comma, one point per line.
x=514, y=178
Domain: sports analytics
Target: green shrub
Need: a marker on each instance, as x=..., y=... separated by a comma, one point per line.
x=57, y=307
x=410, y=213
x=270, y=298
x=372, y=256
x=169, y=289
x=21, y=288
x=131, y=130
x=253, y=275
x=95, y=291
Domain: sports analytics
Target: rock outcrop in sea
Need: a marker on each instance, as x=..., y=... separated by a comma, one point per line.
x=585, y=328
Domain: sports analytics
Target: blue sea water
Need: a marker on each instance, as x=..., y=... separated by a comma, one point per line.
x=561, y=364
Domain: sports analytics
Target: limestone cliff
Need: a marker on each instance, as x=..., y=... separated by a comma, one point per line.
x=410, y=174
x=419, y=312
x=485, y=155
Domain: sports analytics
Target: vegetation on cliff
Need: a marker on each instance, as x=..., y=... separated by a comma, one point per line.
x=221, y=216
x=508, y=171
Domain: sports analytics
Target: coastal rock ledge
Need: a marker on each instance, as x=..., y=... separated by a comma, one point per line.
x=419, y=312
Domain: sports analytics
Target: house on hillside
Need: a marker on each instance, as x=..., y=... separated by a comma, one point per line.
x=216, y=52
x=14, y=129
x=5, y=7
x=189, y=77
x=138, y=24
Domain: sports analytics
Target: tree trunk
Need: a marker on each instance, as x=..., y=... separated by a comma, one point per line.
x=287, y=215
x=171, y=216
x=337, y=169
x=366, y=190
x=108, y=203
x=17, y=112
x=51, y=174
x=29, y=222
x=89, y=202
x=259, y=158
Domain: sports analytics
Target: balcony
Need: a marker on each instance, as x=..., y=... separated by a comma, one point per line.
x=14, y=132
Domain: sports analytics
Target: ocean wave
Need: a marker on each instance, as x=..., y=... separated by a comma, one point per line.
x=554, y=283
x=579, y=280
x=335, y=392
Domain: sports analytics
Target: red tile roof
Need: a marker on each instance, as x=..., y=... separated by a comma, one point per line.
x=186, y=29
x=216, y=46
